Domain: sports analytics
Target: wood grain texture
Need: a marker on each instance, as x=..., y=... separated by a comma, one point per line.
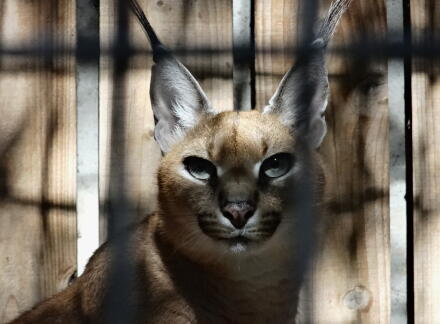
x=181, y=25
x=37, y=150
x=275, y=33
x=350, y=278
x=425, y=20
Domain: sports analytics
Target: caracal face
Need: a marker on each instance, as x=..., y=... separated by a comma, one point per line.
x=227, y=187
x=231, y=183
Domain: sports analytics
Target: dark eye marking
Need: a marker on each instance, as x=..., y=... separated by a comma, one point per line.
x=276, y=166
x=199, y=168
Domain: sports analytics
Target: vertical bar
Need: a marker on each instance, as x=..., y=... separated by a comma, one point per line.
x=120, y=305
x=408, y=62
x=308, y=10
x=398, y=206
x=87, y=75
x=243, y=54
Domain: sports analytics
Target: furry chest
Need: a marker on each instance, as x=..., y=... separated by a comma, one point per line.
x=261, y=301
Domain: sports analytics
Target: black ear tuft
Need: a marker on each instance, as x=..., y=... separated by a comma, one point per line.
x=301, y=98
x=178, y=100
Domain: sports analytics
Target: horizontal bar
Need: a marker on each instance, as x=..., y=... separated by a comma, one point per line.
x=430, y=48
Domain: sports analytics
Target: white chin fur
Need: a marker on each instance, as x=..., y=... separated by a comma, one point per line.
x=238, y=248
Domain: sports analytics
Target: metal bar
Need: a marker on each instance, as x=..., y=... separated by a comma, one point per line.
x=243, y=53
x=87, y=72
x=373, y=48
x=308, y=10
x=119, y=304
x=398, y=205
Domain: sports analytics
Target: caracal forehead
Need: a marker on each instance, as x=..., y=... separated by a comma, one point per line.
x=231, y=138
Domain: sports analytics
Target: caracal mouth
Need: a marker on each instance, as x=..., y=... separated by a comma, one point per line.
x=247, y=237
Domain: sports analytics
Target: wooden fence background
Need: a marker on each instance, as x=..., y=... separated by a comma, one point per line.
x=351, y=277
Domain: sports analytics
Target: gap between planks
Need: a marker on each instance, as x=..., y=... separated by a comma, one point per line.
x=87, y=91
x=398, y=206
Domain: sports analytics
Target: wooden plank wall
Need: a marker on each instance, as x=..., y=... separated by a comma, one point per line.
x=425, y=20
x=180, y=25
x=37, y=156
x=356, y=252
x=350, y=280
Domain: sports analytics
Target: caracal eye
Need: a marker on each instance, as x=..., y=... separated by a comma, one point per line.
x=199, y=168
x=276, y=166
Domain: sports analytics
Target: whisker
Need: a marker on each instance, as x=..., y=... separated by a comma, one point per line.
x=208, y=221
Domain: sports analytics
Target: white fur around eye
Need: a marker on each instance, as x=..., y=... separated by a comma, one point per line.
x=185, y=174
x=256, y=169
x=220, y=171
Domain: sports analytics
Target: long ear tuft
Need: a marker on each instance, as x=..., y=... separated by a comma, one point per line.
x=155, y=43
x=328, y=26
x=301, y=98
x=177, y=99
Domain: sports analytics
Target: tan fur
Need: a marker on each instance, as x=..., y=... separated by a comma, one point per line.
x=187, y=263
x=183, y=275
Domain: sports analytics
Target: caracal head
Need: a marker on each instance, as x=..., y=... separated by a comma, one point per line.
x=235, y=183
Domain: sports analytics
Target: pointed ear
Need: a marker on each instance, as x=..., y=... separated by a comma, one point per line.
x=301, y=98
x=177, y=99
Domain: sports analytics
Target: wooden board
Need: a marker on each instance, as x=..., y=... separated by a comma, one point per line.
x=181, y=25
x=275, y=34
x=350, y=279
x=425, y=19
x=37, y=150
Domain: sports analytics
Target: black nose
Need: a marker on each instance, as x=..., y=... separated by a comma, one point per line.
x=238, y=212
